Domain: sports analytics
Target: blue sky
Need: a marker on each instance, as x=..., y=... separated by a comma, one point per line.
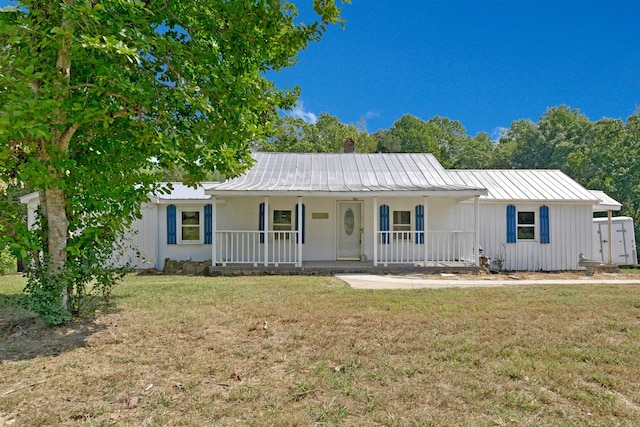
x=483, y=63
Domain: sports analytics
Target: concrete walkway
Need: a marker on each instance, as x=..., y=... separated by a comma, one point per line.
x=371, y=281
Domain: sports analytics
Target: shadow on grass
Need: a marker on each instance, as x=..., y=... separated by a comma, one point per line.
x=24, y=336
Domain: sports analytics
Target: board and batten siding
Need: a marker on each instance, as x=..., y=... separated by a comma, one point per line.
x=140, y=240
x=570, y=229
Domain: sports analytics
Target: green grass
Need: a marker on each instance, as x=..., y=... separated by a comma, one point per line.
x=194, y=352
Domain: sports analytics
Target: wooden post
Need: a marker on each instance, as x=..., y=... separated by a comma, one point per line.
x=610, y=221
x=300, y=221
x=214, y=229
x=476, y=227
x=265, y=227
x=425, y=226
x=375, y=233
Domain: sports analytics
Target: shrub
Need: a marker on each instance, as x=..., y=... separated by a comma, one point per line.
x=7, y=262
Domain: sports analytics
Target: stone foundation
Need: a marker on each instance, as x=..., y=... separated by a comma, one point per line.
x=186, y=268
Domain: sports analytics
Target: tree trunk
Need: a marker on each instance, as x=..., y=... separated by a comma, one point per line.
x=58, y=232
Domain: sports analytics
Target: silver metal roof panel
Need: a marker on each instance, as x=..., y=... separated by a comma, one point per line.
x=343, y=173
x=526, y=185
x=184, y=192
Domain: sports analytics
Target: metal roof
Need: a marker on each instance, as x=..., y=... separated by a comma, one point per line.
x=534, y=185
x=607, y=203
x=344, y=173
x=182, y=192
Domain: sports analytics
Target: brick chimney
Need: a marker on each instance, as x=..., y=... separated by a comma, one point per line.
x=349, y=146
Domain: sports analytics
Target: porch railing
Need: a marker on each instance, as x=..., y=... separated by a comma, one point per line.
x=248, y=247
x=439, y=247
x=393, y=247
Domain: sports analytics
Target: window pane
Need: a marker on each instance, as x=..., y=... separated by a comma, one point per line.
x=526, y=218
x=190, y=218
x=526, y=233
x=281, y=217
x=190, y=233
x=402, y=217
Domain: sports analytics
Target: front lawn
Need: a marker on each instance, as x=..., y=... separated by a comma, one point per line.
x=290, y=350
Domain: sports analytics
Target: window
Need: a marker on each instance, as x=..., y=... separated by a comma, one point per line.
x=401, y=222
x=521, y=225
x=282, y=222
x=526, y=225
x=190, y=226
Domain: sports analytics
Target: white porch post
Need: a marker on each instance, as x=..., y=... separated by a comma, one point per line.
x=425, y=218
x=609, y=221
x=300, y=222
x=476, y=227
x=214, y=229
x=265, y=227
x=375, y=233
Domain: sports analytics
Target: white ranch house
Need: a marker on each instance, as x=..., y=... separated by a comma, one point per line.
x=381, y=210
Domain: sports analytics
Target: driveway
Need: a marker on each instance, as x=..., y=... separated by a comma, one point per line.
x=372, y=281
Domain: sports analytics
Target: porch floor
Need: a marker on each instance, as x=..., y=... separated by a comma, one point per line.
x=328, y=268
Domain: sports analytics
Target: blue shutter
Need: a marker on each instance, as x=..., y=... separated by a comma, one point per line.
x=384, y=223
x=303, y=215
x=511, y=224
x=544, y=225
x=420, y=224
x=261, y=222
x=208, y=225
x=171, y=225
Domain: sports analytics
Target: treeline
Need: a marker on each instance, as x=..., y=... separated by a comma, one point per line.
x=600, y=155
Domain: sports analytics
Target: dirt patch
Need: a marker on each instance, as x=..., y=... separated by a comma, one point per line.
x=24, y=338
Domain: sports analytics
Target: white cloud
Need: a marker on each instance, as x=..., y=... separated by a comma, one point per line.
x=300, y=113
x=362, y=121
x=371, y=115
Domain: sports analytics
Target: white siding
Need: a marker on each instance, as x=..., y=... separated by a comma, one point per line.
x=140, y=242
x=570, y=235
x=180, y=251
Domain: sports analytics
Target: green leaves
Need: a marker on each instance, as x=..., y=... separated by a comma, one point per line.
x=326, y=135
x=91, y=91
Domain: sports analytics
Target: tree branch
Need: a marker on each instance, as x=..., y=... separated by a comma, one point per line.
x=66, y=136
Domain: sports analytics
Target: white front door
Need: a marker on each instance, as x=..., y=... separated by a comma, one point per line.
x=349, y=230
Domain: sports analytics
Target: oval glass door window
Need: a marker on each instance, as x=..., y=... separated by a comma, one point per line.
x=349, y=222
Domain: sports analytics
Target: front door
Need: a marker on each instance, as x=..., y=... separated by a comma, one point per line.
x=349, y=230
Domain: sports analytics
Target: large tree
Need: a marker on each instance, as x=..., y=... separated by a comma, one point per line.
x=95, y=94
x=548, y=143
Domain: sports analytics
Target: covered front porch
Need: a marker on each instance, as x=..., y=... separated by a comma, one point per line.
x=333, y=233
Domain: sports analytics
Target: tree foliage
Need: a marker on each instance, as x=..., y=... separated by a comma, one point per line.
x=96, y=94
x=446, y=139
x=326, y=135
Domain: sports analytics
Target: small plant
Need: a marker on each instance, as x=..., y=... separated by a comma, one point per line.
x=497, y=264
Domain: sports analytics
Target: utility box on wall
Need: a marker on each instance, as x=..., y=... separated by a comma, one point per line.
x=623, y=241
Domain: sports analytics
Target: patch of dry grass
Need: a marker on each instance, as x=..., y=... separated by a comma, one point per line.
x=197, y=351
